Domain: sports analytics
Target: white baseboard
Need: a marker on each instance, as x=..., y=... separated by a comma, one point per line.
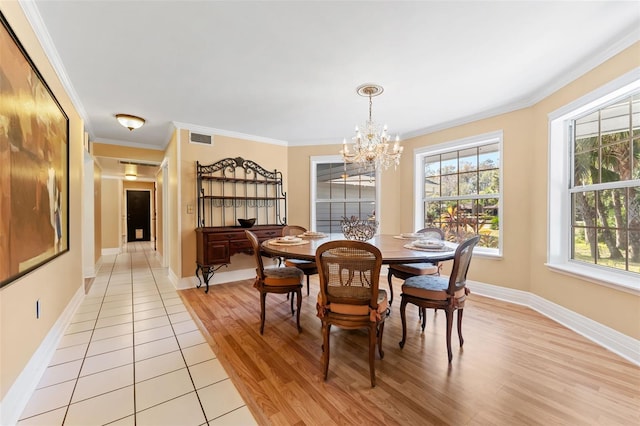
x=618, y=343
x=89, y=272
x=173, y=278
x=223, y=276
x=219, y=277
x=17, y=397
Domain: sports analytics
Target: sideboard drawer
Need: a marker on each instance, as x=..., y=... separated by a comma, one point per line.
x=216, y=245
x=240, y=245
x=265, y=234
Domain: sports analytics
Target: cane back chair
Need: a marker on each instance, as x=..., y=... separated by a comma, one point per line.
x=349, y=296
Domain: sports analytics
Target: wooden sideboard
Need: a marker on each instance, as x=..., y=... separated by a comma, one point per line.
x=216, y=244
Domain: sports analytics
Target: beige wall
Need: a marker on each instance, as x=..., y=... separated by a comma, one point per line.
x=97, y=211
x=171, y=156
x=116, y=151
x=268, y=156
x=110, y=212
x=159, y=214
x=56, y=282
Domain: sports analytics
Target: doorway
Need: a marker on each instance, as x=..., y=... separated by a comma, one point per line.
x=138, y=215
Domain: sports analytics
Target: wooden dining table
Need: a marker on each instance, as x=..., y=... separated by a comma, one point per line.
x=393, y=248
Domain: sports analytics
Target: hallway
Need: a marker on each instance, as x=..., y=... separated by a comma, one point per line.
x=132, y=355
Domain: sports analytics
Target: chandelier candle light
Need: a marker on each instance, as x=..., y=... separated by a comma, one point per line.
x=371, y=146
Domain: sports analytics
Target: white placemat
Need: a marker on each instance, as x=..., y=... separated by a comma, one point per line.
x=280, y=243
x=435, y=249
x=314, y=235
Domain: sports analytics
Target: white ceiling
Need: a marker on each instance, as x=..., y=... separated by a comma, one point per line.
x=288, y=71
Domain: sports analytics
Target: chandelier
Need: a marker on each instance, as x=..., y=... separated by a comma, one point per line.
x=371, y=148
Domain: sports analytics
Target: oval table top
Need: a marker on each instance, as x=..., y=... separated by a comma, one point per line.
x=392, y=248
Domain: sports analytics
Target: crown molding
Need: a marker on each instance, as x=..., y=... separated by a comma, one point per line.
x=623, y=41
x=35, y=20
x=219, y=132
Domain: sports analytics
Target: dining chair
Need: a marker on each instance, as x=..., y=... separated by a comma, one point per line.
x=308, y=267
x=351, y=300
x=437, y=292
x=283, y=280
x=406, y=270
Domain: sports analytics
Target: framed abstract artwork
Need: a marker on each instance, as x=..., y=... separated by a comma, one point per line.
x=34, y=165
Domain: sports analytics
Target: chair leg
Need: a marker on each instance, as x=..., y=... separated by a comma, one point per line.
x=372, y=353
x=423, y=314
x=460, y=327
x=326, y=331
x=403, y=317
x=390, y=280
x=299, y=305
x=449, y=313
x=380, y=333
x=307, y=285
x=263, y=296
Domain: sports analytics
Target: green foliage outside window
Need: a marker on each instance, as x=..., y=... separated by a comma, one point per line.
x=605, y=194
x=462, y=190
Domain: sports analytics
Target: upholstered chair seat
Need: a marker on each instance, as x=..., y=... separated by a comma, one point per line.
x=282, y=276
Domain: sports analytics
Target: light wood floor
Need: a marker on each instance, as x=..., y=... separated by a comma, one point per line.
x=517, y=367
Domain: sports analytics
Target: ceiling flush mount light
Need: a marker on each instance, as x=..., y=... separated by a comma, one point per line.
x=371, y=148
x=131, y=122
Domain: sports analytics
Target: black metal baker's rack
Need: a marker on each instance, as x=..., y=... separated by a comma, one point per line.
x=235, y=188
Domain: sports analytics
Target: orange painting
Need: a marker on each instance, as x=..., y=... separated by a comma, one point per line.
x=34, y=156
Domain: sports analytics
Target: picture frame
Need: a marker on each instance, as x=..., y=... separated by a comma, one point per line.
x=34, y=164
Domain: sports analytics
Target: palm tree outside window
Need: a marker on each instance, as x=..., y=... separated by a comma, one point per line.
x=605, y=186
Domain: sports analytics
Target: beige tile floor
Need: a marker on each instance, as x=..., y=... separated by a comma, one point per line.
x=132, y=355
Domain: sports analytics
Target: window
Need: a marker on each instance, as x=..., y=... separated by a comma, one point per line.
x=340, y=190
x=594, y=190
x=605, y=189
x=459, y=186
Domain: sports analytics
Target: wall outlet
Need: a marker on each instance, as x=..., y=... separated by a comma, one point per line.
x=189, y=208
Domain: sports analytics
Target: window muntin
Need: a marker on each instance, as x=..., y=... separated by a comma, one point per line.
x=341, y=190
x=460, y=190
x=605, y=186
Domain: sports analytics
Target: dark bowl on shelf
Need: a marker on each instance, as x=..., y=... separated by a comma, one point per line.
x=247, y=223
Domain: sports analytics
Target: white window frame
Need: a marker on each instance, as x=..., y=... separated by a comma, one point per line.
x=559, y=180
x=323, y=159
x=457, y=145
